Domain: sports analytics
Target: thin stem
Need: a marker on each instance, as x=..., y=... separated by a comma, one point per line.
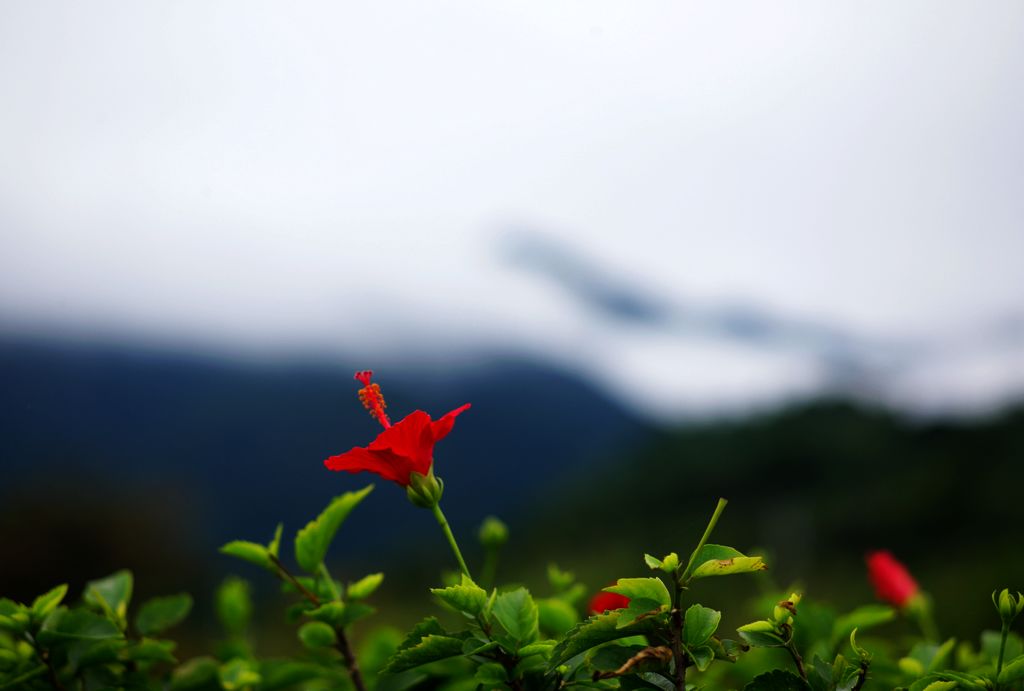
x=797, y=660
x=332, y=587
x=285, y=575
x=490, y=568
x=863, y=676
x=703, y=540
x=680, y=658
x=1004, y=633
x=343, y=645
x=923, y=613
x=443, y=522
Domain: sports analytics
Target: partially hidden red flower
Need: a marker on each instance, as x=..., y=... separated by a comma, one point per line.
x=403, y=448
x=893, y=583
x=602, y=602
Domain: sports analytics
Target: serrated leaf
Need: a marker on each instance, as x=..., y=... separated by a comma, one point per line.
x=729, y=566
x=467, y=597
x=312, y=542
x=517, y=613
x=365, y=586
x=48, y=601
x=777, y=680
x=429, y=648
x=427, y=627
x=598, y=629
x=699, y=624
x=76, y=625
x=111, y=594
x=639, y=608
x=162, y=613
x=642, y=588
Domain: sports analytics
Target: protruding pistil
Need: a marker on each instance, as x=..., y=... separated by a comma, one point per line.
x=372, y=399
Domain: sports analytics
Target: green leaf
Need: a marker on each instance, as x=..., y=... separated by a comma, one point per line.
x=490, y=674
x=151, y=650
x=354, y=611
x=429, y=648
x=198, y=672
x=652, y=562
x=76, y=625
x=556, y=616
x=560, y=580
x=467, y=597
x=316, y=634
x=777, y=680
x=111, y=594
x=861, y=618
x=312, y=542
x=162, y=613
x=702, y=657
x=365, y=586
x=728, y=566
x=234, y=605
x=760, y=634
x=639, y=608
x=1012, y=671
x=539, y=648
x=598, y=629
x=249, y=551
x=642, y=588
x=285, y=674
x=274, y=547
x=699, y=624
x=237, y=674
x=427, y=627
x=47, y=602
x=517, y=614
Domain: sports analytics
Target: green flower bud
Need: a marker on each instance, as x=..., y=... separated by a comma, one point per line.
x=493, y=532
x=1008, y=606
x=424, y=490
x=786, y=609
x=316, y=634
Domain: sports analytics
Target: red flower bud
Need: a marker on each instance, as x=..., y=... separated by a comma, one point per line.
x=602, y=602
x=893, y=583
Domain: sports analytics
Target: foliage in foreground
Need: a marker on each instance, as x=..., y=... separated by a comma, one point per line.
x=642, y=632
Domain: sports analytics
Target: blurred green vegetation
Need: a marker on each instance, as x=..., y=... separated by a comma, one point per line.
x=814, y=487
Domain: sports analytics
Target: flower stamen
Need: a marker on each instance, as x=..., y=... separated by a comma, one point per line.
x=372, y=399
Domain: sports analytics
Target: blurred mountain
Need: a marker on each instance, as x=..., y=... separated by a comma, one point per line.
x=107, y=450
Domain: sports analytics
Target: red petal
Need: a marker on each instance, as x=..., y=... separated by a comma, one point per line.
x=439, y=429
x=360, y=459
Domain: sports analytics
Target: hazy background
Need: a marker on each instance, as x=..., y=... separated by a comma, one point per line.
x=669, y=251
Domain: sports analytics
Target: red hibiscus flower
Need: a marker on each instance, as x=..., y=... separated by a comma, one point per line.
x=403, y=448
x=893, y=583
x=602, y=602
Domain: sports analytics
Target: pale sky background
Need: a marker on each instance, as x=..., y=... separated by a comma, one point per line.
x=330, y=177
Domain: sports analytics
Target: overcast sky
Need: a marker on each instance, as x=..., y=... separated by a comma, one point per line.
x=320, y=175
